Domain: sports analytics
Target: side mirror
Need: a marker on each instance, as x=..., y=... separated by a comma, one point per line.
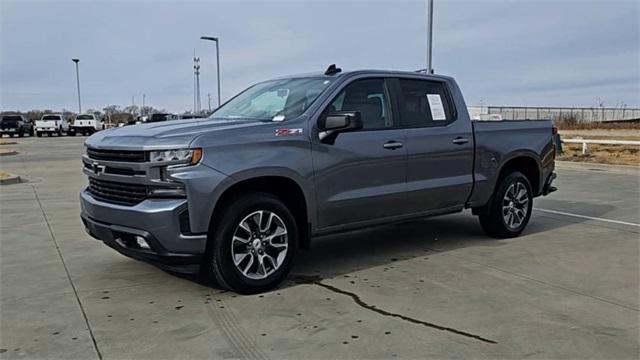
x=337, y=122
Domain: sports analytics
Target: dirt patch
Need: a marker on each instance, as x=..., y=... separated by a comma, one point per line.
x=603, y=134
x=7, y=142
x=604, y=154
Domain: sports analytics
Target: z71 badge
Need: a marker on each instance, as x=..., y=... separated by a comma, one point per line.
x=288, y=132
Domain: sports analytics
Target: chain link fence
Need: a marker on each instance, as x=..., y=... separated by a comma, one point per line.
x=537, y=113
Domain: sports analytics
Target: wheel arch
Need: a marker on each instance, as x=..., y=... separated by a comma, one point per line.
x=528, y=164
x=286, y=188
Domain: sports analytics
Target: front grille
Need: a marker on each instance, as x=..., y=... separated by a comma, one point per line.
x=117, y=155
x=122, y=193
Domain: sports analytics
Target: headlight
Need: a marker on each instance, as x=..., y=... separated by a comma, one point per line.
x=190, y=156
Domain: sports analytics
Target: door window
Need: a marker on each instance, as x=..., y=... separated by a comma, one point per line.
x=424, y=103
x=370, y=98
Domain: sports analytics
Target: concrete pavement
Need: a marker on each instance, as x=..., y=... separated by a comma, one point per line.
x=435, y=288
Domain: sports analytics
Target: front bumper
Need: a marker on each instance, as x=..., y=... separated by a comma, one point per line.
x=157, y=221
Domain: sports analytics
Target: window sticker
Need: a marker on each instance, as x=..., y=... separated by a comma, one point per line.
x=437, y=110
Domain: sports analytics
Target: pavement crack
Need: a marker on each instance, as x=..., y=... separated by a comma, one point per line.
x=356, y=298
x=66, y=270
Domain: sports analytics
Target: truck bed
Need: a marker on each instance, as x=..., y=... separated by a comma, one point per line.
x=498, y=141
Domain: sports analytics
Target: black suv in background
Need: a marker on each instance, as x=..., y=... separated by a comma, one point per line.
x=15, y=125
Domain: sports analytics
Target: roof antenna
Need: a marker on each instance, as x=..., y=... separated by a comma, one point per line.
x=332, y=69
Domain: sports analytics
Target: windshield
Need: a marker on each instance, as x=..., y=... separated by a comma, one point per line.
x=274, y=100
x=51, y=117
x=85, y=117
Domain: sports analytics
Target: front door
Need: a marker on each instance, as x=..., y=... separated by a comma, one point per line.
x=361, y=176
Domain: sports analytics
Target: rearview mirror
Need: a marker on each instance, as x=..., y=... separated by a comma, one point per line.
x=336, y=122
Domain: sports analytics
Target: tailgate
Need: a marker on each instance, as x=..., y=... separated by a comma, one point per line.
x=46, y=123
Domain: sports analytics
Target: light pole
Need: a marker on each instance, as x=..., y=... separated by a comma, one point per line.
x=217, y=60
x=429, y=36
x=78, y=83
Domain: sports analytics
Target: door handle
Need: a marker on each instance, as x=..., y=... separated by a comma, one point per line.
x=460, y=140
x=392, y=145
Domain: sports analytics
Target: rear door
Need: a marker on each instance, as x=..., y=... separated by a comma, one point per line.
x=439, y=146
x=361, y=177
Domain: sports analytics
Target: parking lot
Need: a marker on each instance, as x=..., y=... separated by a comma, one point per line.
x=567, y=288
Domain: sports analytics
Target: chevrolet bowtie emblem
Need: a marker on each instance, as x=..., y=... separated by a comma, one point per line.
x=97, y=168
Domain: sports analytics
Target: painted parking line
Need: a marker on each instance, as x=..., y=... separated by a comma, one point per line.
x=587, y=217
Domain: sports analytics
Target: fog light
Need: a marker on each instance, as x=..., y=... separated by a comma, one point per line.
x=142, y=243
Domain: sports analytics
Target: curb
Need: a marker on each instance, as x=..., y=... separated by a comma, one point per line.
x=575, y=165
x=8, y=152
x=11, y=179
x=8, y=143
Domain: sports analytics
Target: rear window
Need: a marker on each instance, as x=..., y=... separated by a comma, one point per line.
x=85, y=117
x=11, y=118
x=424, y=103
x=51, y=117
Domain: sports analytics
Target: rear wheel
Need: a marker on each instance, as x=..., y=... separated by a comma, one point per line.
x=252, y=245
x=10, y=134
x=510, y=207
x=38, y=134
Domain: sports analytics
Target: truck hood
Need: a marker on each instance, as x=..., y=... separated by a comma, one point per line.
x=165, y=134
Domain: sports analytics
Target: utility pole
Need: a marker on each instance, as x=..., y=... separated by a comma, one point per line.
x=429, y=36
x=196, y=73
x=209, y=96
x=144, y=98
x=78, y=83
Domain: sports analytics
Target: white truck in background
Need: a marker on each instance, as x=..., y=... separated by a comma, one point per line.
x=85, y=124
x=52, y=124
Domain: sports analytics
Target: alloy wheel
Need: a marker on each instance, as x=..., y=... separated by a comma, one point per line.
x=259, y=245
x=515, y=205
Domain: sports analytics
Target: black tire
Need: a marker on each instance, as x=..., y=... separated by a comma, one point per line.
x=11, y=135
x=495, y=221
x=21, y=134
x=38, y=134
x=218, y=264
x=60, y=131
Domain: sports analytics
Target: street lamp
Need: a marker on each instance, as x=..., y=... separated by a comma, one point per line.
x=429, y=36
x=78, y=83
x=217, y=60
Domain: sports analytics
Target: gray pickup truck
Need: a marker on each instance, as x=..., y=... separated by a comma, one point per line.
x=234, y=196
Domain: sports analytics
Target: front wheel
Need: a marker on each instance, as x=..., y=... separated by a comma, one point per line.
x=509, y=208
x=252, y=245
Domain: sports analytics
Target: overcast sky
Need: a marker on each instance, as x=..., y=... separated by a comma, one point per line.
x=539, y=53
